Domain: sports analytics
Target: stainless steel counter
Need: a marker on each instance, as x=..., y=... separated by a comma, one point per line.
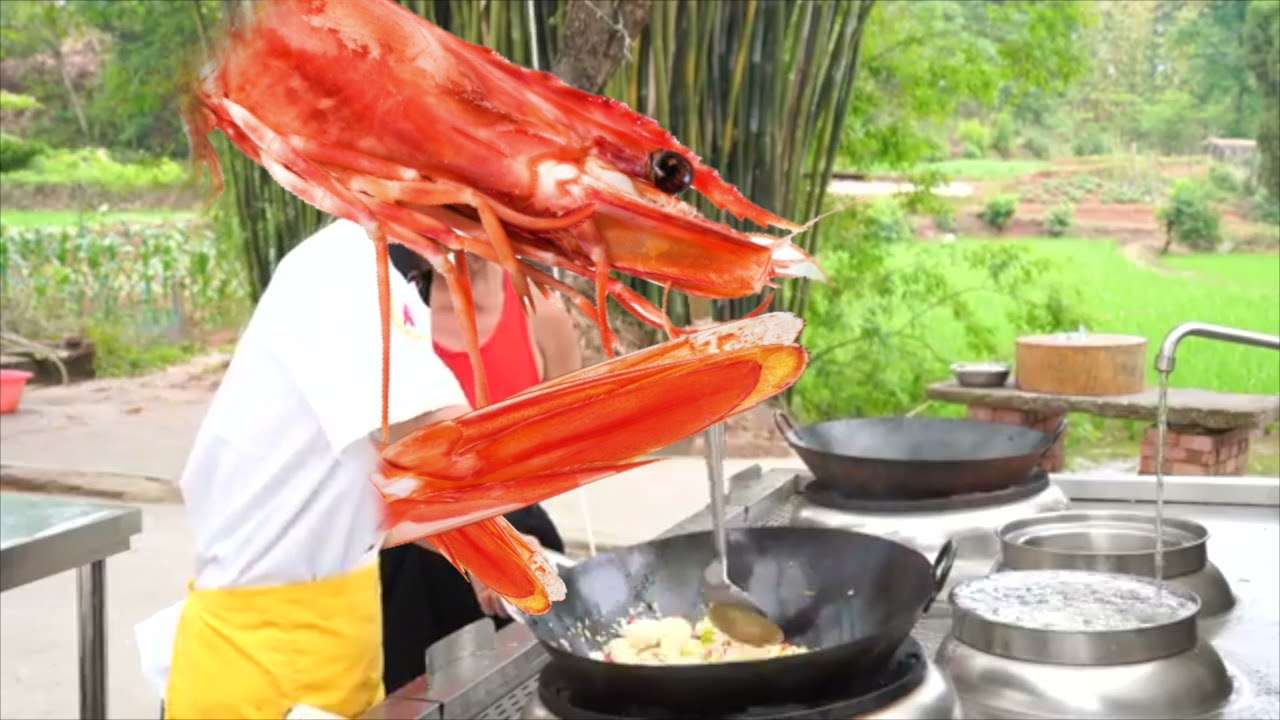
x=492, y=675
x=41, y=536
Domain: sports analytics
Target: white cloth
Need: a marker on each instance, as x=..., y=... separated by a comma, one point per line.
x=277, y=487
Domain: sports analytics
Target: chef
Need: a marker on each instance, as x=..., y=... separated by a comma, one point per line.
x=283, y=609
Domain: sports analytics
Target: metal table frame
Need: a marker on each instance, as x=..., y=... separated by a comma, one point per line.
x=83, y=544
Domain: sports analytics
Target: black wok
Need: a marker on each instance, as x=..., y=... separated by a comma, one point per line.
x=916, y=458
x=850, y=598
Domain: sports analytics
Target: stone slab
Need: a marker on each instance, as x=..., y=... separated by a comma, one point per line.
x=1187, y=407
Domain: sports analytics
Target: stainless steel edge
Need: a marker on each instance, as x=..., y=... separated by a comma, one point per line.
x=1208, y=584
x=1075, y=648
x=1020, y=551
x=68, y=546
x=1208, y=490
x=472, y=683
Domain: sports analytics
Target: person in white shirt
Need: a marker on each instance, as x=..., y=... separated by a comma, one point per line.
x=283, y=609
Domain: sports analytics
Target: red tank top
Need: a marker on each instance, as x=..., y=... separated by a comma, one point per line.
x=508, y=356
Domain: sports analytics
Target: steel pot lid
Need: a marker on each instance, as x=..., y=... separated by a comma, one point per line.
x=1102, y=541
x=1073, y=617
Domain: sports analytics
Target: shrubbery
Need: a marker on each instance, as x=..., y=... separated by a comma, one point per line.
x=1224, y=180
x=16, y=153
x=944, y=218
x=1002, y=140
x=1091, y=141
x=1059, y=219
x=999, y=211
x=975, y=137
x=1189, y=216
x=1037, y=146
x=885, y=221
x=95, y=167
x=13, y=102
x=877, y=329
x=126, y=285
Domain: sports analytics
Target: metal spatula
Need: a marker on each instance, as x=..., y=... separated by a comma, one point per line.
x=729, y=607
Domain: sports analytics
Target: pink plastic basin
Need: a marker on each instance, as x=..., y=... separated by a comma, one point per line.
x=12, y=382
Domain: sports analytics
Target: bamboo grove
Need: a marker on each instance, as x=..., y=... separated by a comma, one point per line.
x=759, y=88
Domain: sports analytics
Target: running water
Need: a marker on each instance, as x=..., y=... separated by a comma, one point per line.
x=1162, y=430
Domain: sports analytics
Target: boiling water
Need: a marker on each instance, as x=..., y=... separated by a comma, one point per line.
x=1071, y=601
x=1162, y=431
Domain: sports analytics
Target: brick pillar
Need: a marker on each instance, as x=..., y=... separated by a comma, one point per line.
x=1047, y=423
x=1197, y=451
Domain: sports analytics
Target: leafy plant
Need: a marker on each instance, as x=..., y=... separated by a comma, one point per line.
x=1002, y=139
x=1091, y=141
x=1224, y=180
x=1189, y=216
x=944, y=218
x=95, y=167
x=16, y=153
x=1059, y=220
x=142, y=284
x=889, y=320
x=975, y=137
x=885, y=222
x=15, y=102
x=1037, y=145
x=998, y=211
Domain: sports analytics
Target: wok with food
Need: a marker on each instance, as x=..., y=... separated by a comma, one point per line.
x=845, y=602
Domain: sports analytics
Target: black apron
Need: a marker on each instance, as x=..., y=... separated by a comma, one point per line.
x=424, y=598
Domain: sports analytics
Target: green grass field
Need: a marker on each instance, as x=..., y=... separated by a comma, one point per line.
x=1122, y=297
x=988, y=169
x=59, y=218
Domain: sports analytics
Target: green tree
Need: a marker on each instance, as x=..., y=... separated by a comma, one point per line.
x=1217, y=74
x=925, y=61
x=28, y=27
x=1262, y=42
x=154, y=50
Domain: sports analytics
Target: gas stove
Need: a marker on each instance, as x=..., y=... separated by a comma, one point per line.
x=499, y=675
x=911, y=687
x=969, y=520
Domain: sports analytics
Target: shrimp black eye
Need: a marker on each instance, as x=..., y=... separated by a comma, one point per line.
x=670, y=172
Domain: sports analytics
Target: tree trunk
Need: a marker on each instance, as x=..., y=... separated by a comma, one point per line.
x=594, y=38
x=76, y=106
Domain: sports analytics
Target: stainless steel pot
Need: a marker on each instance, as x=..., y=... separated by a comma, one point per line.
x=1152, y=667
x=1191, y=684
x=1118, y=542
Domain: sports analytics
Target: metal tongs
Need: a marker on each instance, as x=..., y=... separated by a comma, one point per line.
x=729, y=607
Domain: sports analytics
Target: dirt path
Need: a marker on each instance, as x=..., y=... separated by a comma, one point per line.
x=120, y=437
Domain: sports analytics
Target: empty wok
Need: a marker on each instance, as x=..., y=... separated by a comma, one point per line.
x=850, y=598
x=905, y=458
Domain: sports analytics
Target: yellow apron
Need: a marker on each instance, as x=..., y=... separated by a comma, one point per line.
x=256, y=652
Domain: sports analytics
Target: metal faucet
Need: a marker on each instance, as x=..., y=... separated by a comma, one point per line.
x=1164, y=360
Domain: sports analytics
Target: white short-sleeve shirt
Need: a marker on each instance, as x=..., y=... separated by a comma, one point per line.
x=277, y=486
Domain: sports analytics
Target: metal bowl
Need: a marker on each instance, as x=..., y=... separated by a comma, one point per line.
x=986, y=374
x=1117, y=542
